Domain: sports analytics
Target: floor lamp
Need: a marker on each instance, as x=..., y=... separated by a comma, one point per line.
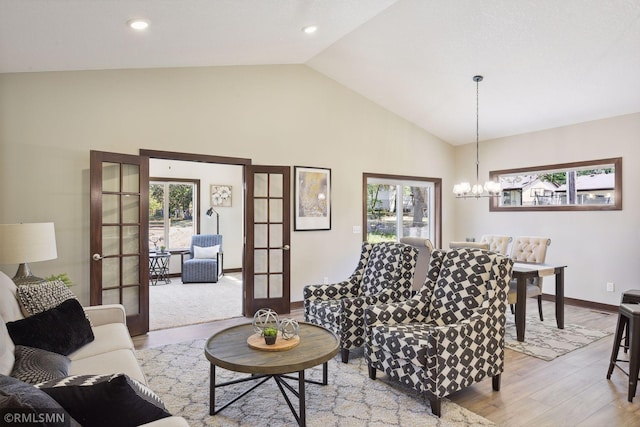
x=25, y=243
x=212, y=211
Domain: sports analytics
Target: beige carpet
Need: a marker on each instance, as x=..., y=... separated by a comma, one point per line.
x=177, y=304
x=179, y=374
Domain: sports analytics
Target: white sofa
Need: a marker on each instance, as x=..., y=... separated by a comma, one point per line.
x=111, y=351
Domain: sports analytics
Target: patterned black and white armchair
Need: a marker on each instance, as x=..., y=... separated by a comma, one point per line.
x=384, y=274
x=451, y=333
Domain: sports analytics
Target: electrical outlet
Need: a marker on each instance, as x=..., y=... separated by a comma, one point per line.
x=611, y=287
x=357, y=229
x=325, y=281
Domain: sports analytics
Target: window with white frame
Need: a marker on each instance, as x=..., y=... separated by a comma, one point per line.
x=397, y=207
x=173, y=213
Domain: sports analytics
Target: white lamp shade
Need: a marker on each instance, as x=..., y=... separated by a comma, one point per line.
x=23, y=243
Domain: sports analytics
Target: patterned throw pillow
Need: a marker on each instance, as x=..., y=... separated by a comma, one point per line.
x=106, y=400
x=34, y=365
x=40, y=297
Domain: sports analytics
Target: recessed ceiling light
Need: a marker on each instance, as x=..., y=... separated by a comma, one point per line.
x=310, y=29
x=138, y=24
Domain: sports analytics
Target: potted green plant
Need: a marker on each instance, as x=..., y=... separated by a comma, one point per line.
x=270, y=335
x=163, y=249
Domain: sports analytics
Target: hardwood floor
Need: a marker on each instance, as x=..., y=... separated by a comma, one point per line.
x=571, y=390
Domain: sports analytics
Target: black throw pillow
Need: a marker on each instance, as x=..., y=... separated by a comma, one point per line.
x=62, y=329
x=19, y=399
x=106, y=400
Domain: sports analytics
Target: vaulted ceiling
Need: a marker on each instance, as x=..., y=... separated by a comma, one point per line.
x=546, y=63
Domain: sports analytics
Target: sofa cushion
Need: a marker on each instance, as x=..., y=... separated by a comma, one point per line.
x=106, y=400
x=110, y=337
x=23, y=398
x=40, y=297
x=7, y=357
x=34, y=365
x=107, y=363
x=62, y=329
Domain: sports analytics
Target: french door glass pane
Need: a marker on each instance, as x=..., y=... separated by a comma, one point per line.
x=275, y=286
x=130, y=239
x=110, y=208
x=260, y=235
x=130, y=209
x=275, y=185
x=130, y=178
x=260, y=289
x=260, y=181
x=275, y=236
x=110, y=272
x=110, y=240
x=110, y=177
x=130, y=299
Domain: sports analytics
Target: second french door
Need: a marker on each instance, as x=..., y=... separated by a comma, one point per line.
x=267, y=229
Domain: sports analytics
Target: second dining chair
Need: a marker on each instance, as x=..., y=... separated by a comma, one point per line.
x=497, y=242
x=531, y=250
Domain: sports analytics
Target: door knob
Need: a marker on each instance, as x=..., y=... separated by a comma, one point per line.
x=96, y=257
x=285, y=248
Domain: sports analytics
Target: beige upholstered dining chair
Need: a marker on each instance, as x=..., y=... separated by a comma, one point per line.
x=532, y=250
x=497, y=243
x=472, y=245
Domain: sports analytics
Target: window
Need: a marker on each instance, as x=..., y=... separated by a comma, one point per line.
x=173, y=211
x=399, y=206
x=590, y=185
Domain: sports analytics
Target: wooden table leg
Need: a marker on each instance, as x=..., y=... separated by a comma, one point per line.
x=521, y=307
x=560, y=298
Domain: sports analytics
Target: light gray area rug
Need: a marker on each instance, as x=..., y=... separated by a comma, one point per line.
x=179, y=373
x=177, y=304
x=545, y=341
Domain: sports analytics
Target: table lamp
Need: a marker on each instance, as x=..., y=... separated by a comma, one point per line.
x=25, y=243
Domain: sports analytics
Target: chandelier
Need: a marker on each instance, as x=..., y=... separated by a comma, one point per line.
x=464, y=190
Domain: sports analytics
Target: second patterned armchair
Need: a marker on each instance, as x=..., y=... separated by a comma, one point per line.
x=384, y=274
x=451, y=333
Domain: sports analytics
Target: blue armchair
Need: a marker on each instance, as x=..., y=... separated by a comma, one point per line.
x=206, y=258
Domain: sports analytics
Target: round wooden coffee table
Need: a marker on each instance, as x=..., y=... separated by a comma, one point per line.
x=228, y=349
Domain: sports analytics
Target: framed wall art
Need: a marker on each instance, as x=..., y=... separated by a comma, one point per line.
x=220, y=195
x=312, y=198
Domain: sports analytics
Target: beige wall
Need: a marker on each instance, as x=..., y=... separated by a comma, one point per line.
x=597, y=247
x=279, y=115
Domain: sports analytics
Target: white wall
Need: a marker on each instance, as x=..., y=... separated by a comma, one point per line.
x=231, y=217
x=597, y=246
x=274, y=115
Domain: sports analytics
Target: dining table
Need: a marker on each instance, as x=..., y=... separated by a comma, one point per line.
x=523, y=271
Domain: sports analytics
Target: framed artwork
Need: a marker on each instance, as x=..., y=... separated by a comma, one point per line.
x=220, y=195
x=312, y=198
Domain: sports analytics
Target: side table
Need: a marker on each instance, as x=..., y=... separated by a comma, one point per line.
x=159, y=267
